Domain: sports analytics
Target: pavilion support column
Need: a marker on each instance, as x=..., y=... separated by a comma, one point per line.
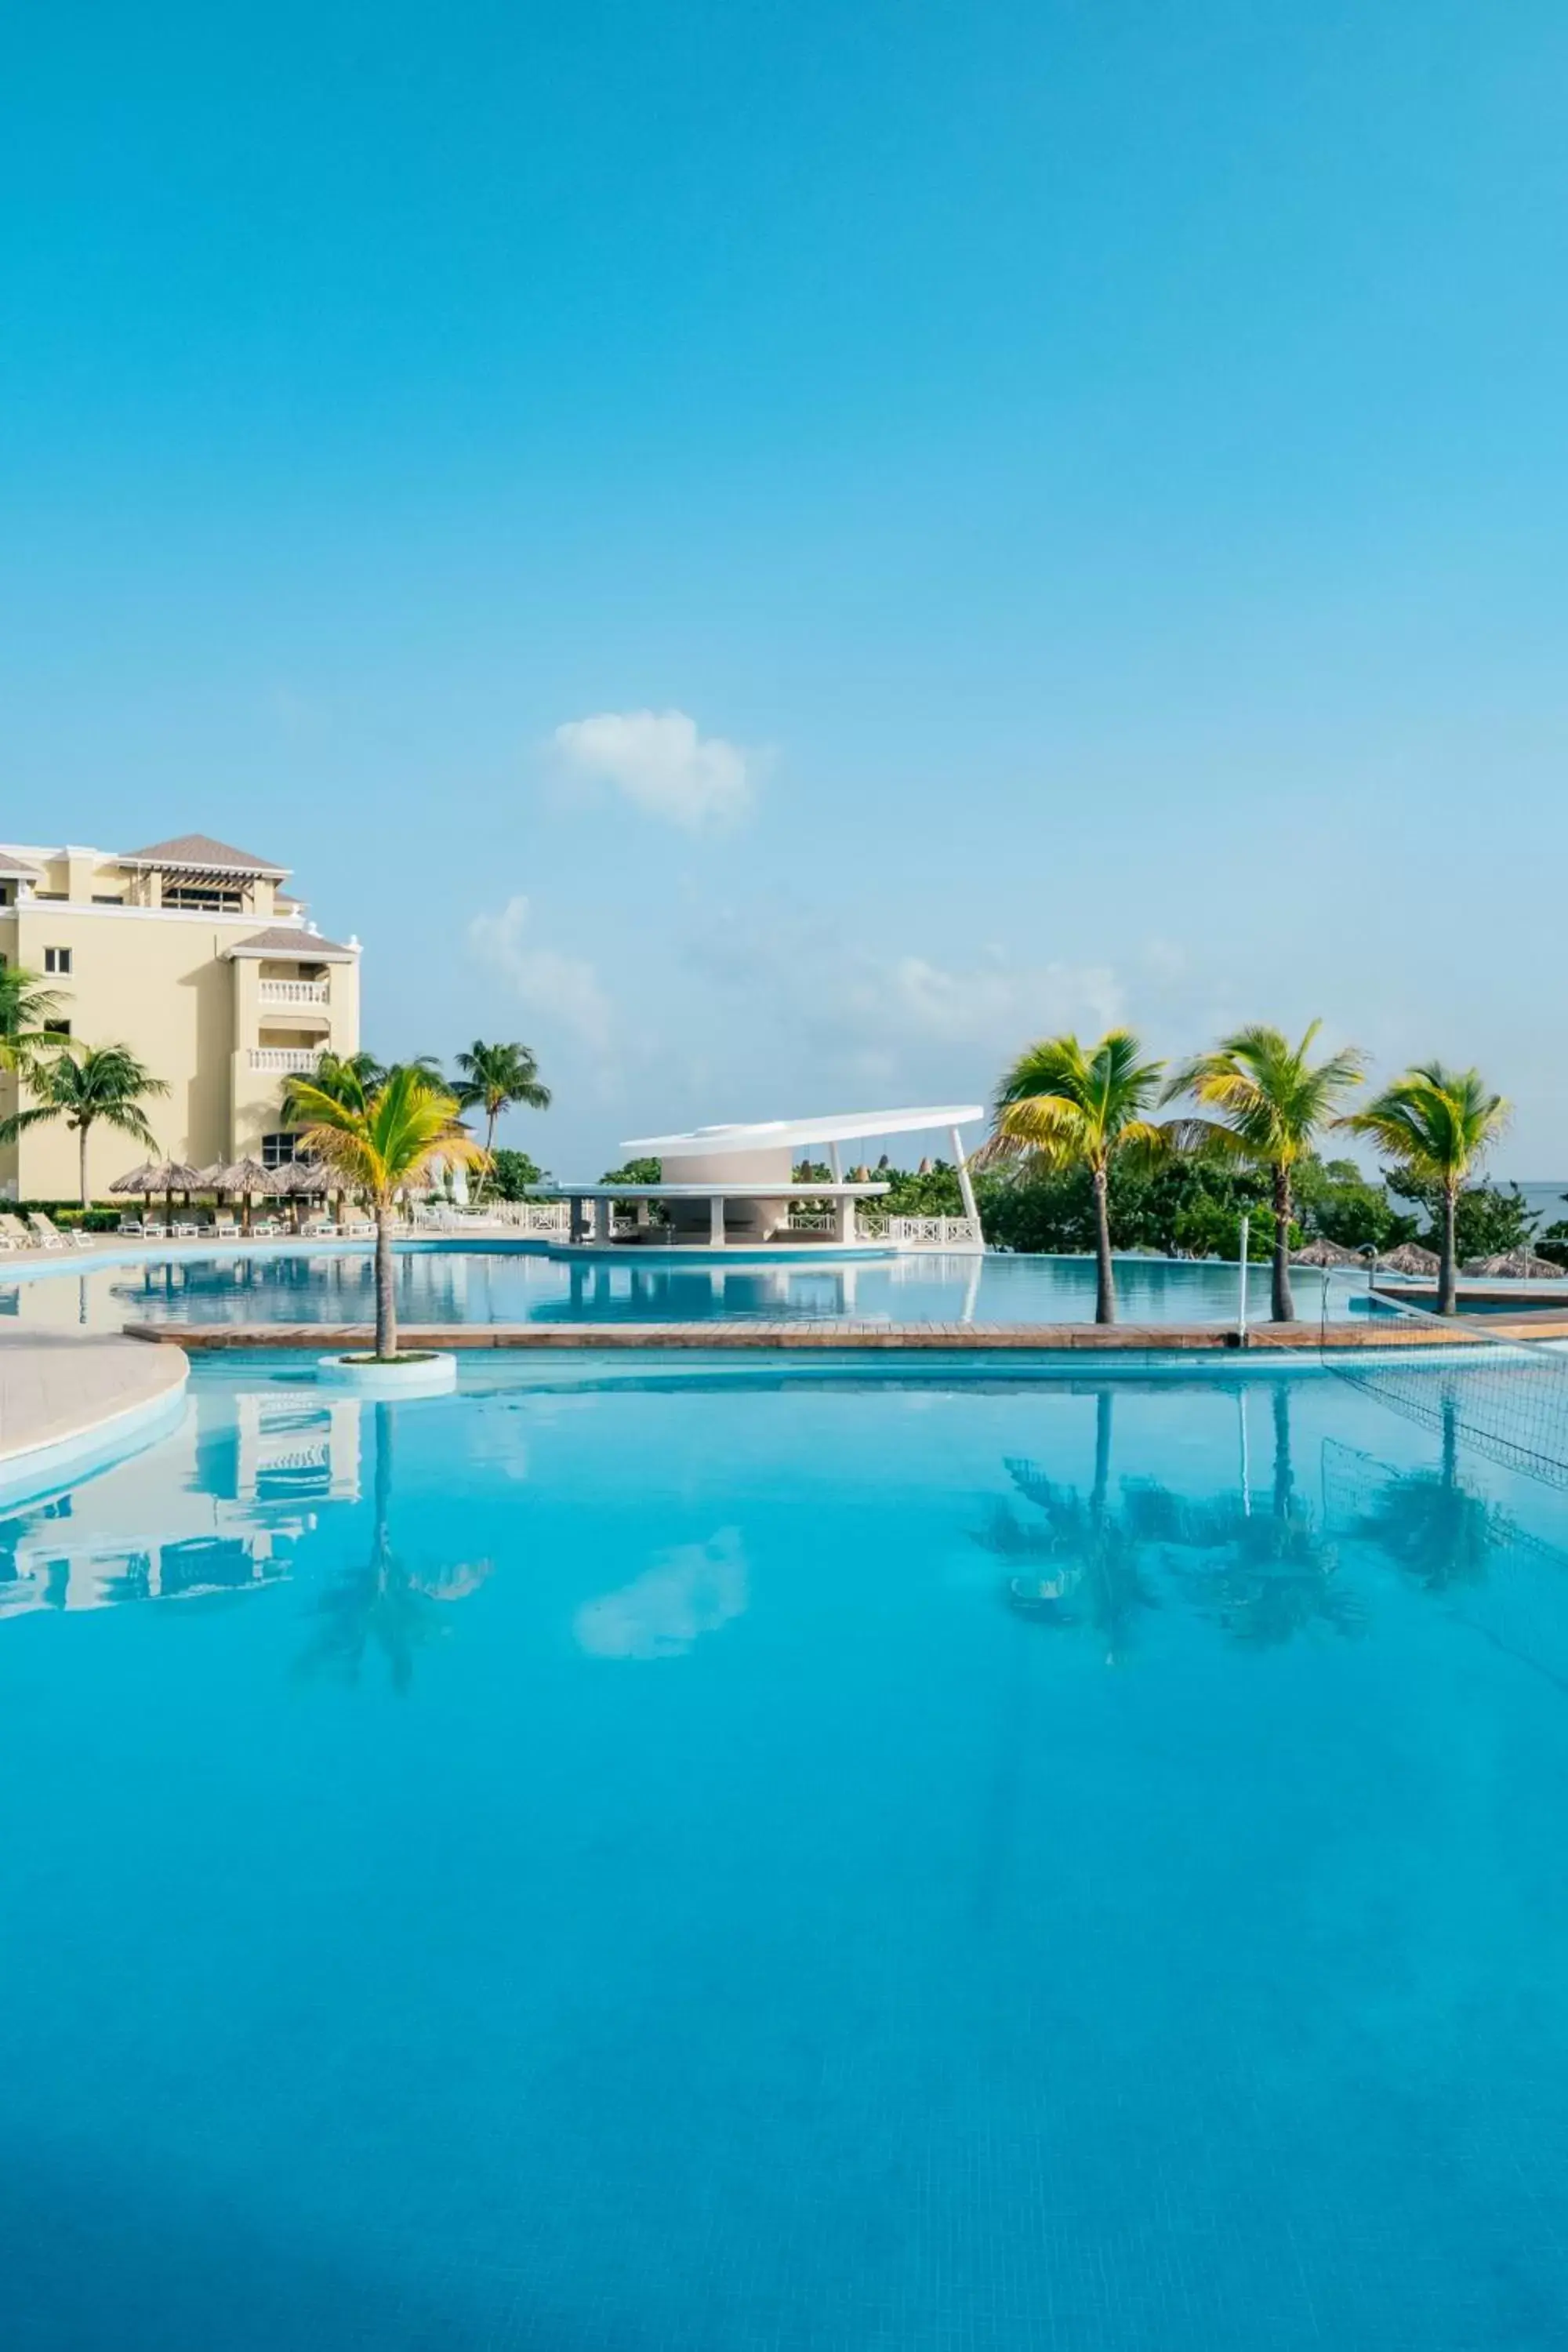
x=602, y=1226
x=716, y=1221
x=965, y=1188
x=641, y=1215
x=844, y=1218
x=574, y=1224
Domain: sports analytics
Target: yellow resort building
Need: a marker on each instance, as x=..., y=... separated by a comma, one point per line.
x=193, y=955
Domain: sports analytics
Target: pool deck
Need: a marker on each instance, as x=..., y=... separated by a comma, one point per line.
x=69, y=1398
x=1209, y=1339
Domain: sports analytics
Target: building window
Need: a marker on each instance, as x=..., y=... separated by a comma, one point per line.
x=57, y=1028
x=195, y=899
x=110, y=898
x=280, y=1150
x=56, y=959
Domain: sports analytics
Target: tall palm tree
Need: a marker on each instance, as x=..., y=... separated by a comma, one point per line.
x=26, y=1005
x=494, y=1079
x=381, y=1141
x=87, y=1087
x=1271, y=1101
x=1437, y=1123
x=1065, y=1104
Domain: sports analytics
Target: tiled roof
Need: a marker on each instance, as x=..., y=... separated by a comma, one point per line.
x=306, y=945
x=9, y=865
x=201, y=851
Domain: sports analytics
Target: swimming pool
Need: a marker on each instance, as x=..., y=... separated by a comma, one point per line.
x=461, y=1282
x=640, y=1855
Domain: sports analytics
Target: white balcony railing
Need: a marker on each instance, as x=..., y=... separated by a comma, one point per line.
x=287, y=1061
x=293, y=992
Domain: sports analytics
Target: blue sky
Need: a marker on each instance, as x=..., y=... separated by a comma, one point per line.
x=778, y=551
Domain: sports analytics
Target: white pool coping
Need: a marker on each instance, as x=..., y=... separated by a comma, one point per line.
x=71, y=1402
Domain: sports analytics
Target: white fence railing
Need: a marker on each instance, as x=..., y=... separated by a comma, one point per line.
x=934, y=1232
x=812, y=1221
x=292, y=1061
x=293, y=992
x=528, y=1216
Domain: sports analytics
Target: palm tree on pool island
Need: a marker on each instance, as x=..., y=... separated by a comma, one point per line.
x=1270, y=1102
x=495, y=1078
x=383, y=1141
x=1064, y=1105
x=87, y=1087
x=1437, y=1123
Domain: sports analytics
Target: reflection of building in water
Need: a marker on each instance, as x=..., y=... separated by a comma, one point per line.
x=616, y=1292
x=219, y=1508
x=294, y=1449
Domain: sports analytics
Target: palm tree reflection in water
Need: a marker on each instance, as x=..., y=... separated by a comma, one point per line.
x=1433, y=1523
x=1277, y=1575
x=1262, y=1575
x=1084, y=1560
x=386, y=1605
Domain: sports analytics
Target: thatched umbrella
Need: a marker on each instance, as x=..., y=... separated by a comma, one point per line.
x=244, y=1180
x=142, y=1180
x=1521, y=1262
x=165, y=1176
x=1322, y=1252
x=1411, y=1258
x=306, y=1181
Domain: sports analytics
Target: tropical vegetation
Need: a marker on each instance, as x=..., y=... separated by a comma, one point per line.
x=1063, y=1105
x=497, y=1078
x=383, y=1141
x=1435, y=1123
x=28, y=1005
x=1264, y=1101
x=87, y=1086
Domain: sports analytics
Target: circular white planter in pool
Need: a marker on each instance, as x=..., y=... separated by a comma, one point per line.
x=428, y=1374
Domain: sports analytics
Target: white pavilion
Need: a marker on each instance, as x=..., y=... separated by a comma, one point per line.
x=728, y=1187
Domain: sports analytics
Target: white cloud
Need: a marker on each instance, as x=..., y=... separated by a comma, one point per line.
x=884, y=1015
x=562, y=988
x=659, y=762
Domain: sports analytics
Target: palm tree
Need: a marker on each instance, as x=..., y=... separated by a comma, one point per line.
x=87, y=1087
x=26, y=1006
x=495, y=1078
x=1437, y=1123
x=381, y=1141
x=1064, y=1105
x=1272, y=1100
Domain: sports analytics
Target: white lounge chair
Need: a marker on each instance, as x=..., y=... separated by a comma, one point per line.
x=226, y=1228
x=45, y=1236
x=15, y=1232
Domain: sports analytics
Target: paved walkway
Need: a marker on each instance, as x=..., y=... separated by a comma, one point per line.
x=63, y=1389
x=1086, y=1337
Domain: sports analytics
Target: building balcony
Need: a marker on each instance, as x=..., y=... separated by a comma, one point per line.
x=286, y=1061
x=293, y=992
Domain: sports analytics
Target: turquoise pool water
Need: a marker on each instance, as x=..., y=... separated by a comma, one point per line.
x=634, y=1856
x=444, y=1283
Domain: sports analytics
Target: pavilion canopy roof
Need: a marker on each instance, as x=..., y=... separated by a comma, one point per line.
x=779, y=1134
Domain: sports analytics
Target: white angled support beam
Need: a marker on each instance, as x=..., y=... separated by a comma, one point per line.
x=716, y=1221
x=965, y=1189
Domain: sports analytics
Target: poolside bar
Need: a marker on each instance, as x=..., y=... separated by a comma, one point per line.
x=736, y=1186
